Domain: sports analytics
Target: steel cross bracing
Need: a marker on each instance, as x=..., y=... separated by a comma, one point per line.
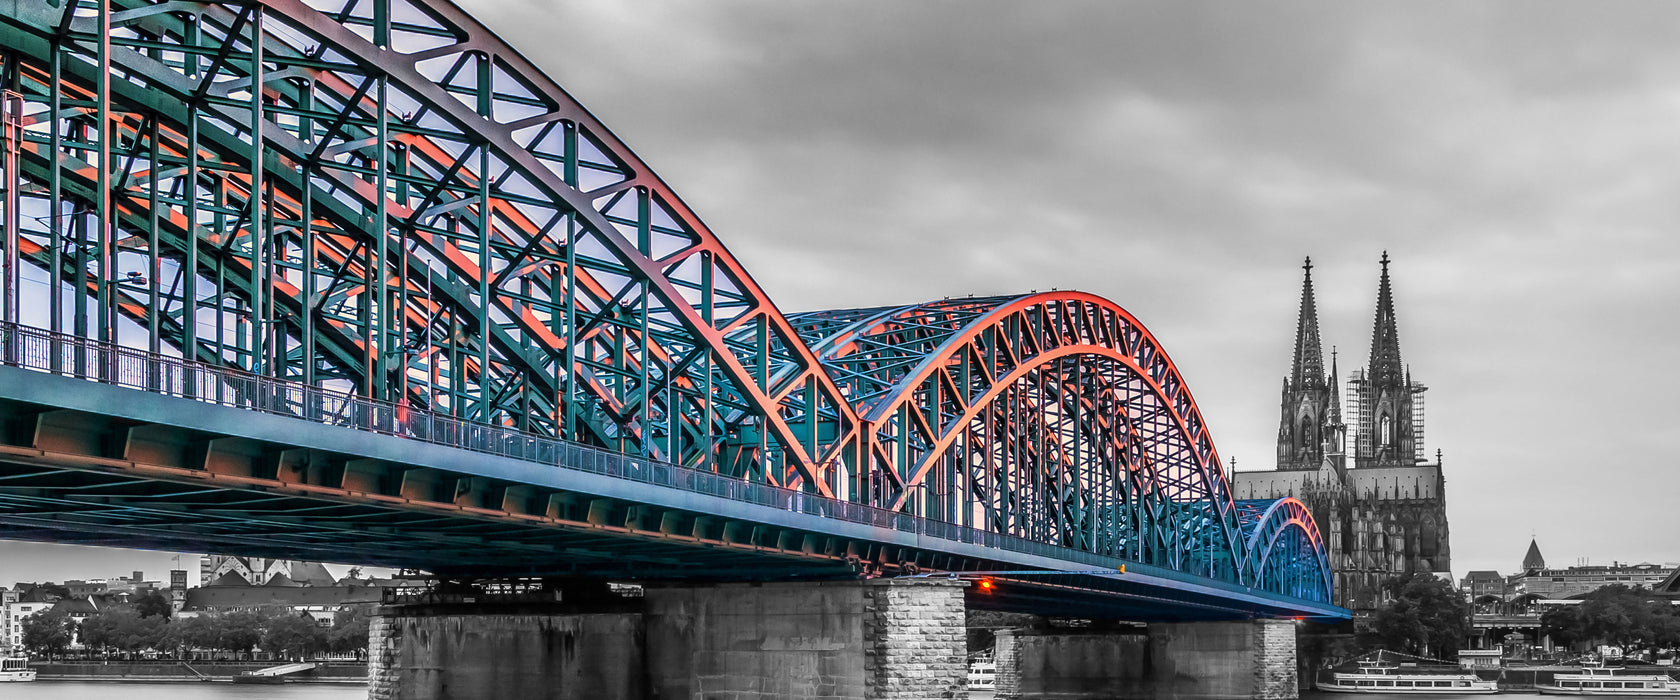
x=519, y=238
x=1055, y=417
x=381, y=197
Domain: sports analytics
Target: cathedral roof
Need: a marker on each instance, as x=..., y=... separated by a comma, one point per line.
x=1533, y=561
x=1386, y=367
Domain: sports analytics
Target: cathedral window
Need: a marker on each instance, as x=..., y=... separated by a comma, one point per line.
x=1385, y=431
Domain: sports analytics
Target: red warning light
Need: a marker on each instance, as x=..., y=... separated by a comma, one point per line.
x=986, y=585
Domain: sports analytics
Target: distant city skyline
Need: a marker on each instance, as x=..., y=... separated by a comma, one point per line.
x=1516, y=159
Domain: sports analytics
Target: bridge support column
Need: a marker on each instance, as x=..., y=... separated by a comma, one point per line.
x=1165, y=661
x=489, y=651
x=855, y=639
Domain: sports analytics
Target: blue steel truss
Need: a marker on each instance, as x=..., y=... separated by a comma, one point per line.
x=381, y=198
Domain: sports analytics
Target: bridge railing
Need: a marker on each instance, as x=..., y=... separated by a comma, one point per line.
x=73, y=356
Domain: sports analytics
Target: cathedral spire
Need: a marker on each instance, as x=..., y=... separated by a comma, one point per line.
x=1308, y=369
x=1335, y=385
x=1302, y=430
x=1385, y=367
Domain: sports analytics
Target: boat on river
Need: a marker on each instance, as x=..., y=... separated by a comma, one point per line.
x=1598, y=679
x=1389, y=679
x=982, y=672
x=15, y=669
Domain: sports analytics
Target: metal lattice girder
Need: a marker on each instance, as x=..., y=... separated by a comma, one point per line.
x=1051, y=416
x=433, y=221
x=1285, y=549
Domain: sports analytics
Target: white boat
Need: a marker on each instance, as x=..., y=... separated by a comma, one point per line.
x=15, y=669
x=1598, y=679
x=982, y=675
x=1388, y=679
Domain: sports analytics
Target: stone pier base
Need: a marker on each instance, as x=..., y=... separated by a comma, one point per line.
x=821, y=640
x=490, y=652
x=1165, y=661
x=853, y=640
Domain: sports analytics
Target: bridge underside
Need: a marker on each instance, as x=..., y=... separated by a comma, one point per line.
x=89, y=463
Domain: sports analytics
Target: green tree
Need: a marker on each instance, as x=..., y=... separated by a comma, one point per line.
x=1426, y=616
x=48, y=632
x=154, y=604
x=293, y=635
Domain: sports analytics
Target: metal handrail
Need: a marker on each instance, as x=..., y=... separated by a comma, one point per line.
x=67, y=355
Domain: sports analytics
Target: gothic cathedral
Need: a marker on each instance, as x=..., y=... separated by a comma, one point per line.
x=1382, y=508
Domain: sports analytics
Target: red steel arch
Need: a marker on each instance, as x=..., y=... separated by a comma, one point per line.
x=969, y=402
x=421, y=215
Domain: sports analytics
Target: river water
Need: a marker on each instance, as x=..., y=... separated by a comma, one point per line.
x=84, y=690
x=81, y=690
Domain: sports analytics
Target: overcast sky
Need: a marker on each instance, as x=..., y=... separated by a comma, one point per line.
x=1520, y=161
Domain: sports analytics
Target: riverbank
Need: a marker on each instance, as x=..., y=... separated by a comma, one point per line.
x=153, y=672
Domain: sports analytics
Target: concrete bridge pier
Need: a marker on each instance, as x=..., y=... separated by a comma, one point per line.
x=852, y=640
x=1252, y=660
x=479, y=650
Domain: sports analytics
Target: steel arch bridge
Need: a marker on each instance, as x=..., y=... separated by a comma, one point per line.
x=379, y=199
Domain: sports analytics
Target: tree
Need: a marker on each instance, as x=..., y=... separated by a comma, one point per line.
x=293, y=635
x=240, y=631
x=1616, y=615
x=122, y=629
x=1426, y=616
x=197, y=632
x=154, y=604
x=349, y=632
x=48, y=632
x=1564, y=625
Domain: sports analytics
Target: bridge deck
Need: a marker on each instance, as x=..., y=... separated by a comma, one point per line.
x=99, y=463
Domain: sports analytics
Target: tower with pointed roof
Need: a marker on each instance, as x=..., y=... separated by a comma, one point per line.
x=1308, y=428
x=1388, y=404
x=1533, y=561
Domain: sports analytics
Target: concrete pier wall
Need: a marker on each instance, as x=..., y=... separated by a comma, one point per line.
x=1197, y=660
x=746, y=641
x=1069, y=664
x=852, y=640
x=484, y=652
x=822, y=640
x=1167, y=661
